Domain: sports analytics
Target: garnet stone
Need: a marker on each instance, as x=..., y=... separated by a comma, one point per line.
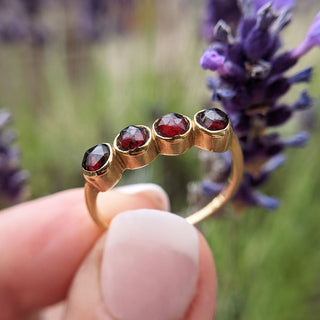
x=172, y=124
x=213, y=119
x=95, y=157
x=132, y=137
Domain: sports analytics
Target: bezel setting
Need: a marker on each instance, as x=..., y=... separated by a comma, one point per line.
x=197, y=135
x=120, y=160
x=108, y=175
x=140, y=156
x=176, y=144
x=132, y=138
x=171, y=125
x=211, y=140
x=104, y=167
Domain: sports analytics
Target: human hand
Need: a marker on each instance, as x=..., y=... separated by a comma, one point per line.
x=149, y=265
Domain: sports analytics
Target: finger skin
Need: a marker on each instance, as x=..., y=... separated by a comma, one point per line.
x=43, y=242
x=204, y=303
x=85, y=299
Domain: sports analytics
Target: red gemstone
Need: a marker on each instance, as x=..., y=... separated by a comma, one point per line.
x=213, y=119
x=95, y=157
x=172, y=124
x=132, y=137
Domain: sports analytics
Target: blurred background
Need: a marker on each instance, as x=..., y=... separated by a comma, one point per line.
x=74, y=73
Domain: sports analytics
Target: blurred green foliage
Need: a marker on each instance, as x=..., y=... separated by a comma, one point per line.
x=65, y=99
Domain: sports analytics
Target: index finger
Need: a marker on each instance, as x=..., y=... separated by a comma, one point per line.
x=42, y=243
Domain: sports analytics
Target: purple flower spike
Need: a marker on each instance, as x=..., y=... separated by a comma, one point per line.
x=274, y=163
x=260, y=3
x=298, y=141
x=278, y=116
x=32, y=6
x=262, y=200
x=212, y=60
x=12, y=178
x=255, y=198
x=302, y=76
x=210, y=188
x=283, y=62
x=251, y=78
x=277, y=4
x=259, y=40
x=283, y=4
x=30, y=21
x=304, y=101
x=311, y=40
x=215, y=10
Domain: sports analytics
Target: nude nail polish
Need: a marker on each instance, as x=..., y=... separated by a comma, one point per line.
x=150, y=266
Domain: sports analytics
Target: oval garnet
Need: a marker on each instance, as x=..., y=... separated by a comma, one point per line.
x=132, y=137
x=95, y=157
x=213, y=119
x=172, y=124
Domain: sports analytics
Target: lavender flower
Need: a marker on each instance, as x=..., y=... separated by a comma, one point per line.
x=32, y=7
x=19, y=21
x=212, y=60
x=92, y=18
x=98, y=18
x=86, y=20
x=215, y=10
x=250, y=81
x=12, y=178
x=277, y=4
x=311, y=40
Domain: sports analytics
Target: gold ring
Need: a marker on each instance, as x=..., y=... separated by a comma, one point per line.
x=173, y=134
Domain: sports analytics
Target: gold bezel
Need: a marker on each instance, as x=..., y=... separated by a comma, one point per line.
x=108, y=175
x=214, y=141
x=138, y=157
x=105, y=167
x=171, y=146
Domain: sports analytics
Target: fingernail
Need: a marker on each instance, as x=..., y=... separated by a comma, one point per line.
x=153, y=191
x=150, y=266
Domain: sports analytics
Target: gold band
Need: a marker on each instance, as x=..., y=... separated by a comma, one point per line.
x=196, y=134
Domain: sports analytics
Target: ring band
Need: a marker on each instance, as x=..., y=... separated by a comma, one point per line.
x=173, y=134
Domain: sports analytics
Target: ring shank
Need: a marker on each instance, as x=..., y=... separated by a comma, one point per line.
x=226, y=194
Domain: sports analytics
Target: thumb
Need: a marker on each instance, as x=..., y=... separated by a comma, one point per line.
x=149, y=265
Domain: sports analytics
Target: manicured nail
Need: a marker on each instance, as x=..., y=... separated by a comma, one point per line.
x=150, y=266
x=154, y=192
